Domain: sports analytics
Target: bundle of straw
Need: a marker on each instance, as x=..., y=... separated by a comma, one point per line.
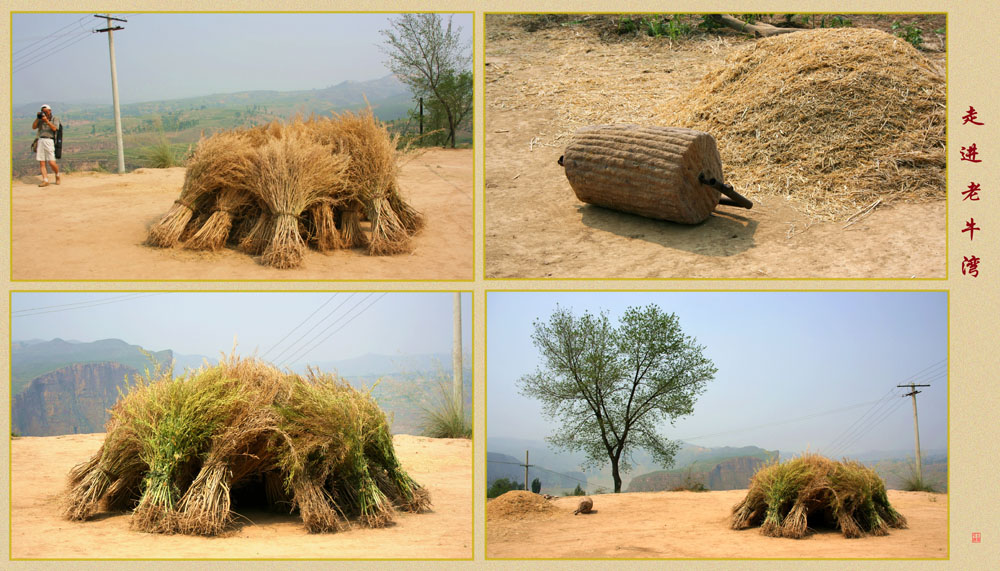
x=274, y=189
x=782, y=497
x=177, y=448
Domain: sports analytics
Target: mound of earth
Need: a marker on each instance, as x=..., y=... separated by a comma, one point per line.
x=519, y=504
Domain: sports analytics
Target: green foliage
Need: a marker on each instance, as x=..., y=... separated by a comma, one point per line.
x=579, y=491
x=536, y=486
x=431, y=58
x=910, y=33
x=752, y=18
x=445, y=418
x=161, y=156
x=610, y=388
x=913, y=482
x=456, y=98
x=500, y=487
x=708, y=23
x=656, y=26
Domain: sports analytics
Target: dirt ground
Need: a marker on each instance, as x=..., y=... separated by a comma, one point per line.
x=696, y=525
x=539, y=88
x=40, y=466
x=92, y=227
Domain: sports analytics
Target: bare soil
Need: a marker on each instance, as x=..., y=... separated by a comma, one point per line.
x=40, y=467
x=92, y=227
x=696, y=525
x=541, y=86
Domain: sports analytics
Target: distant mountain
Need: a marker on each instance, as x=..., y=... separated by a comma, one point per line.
x=382, y=94
x=714, y=470
x=34, y=359
x=555, y=483
x=371, y=364
x=70, y=400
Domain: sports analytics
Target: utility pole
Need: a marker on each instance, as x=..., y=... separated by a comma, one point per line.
x=916, y=431
x=456, y=356
x=114, y=85
x=526, y=470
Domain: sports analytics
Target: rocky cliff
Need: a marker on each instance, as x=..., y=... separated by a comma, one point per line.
x=70, y=400
x=727, y=474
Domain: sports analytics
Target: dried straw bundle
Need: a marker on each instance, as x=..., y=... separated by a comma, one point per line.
x=292, y=173
x=220, y=161
x=372, y=177
x=833, y=119
x=782, y=498
x=177, y=449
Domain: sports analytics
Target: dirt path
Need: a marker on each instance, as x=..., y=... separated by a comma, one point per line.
x=539, y=87
x=696, y=525
x=91, y=227
x=39, y=471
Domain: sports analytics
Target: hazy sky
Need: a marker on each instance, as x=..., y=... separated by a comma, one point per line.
x=205, y=323
x=166, y=56
x=780, y=357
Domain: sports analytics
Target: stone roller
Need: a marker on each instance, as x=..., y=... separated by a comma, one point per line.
x=667, y=173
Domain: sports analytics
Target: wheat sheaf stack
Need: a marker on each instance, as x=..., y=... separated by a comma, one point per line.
x=275, y=190
x=180, y=452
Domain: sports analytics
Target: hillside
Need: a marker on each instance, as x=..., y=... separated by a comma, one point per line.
x=30, y=360
x=70, y=400
x=90, y=133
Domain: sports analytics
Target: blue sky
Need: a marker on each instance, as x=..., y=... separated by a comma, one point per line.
x=167, y=56
x=205, y=323
x=831, y=357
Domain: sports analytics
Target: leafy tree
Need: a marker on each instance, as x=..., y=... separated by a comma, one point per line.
x=579, y=491
x=456, y=91
x=428, y=55
x=611, y=387
x=536, y=486
x=500, y=487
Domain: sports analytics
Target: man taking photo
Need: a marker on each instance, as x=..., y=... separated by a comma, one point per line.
x=46, y=151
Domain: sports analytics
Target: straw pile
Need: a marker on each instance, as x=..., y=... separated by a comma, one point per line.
x=274, y=190
x=178, y=451
x=519, y=504
x=784, y=499
x=833, y=119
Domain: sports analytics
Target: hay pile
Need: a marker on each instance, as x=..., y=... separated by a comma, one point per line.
x=519, y=504
x=273, y=190
x=784, y=499
x=178, y=451
x=833, y=119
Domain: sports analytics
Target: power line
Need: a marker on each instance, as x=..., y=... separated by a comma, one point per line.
x=317, y=324
x=304, y=351
x=80, y=305
x=857, y=439
x=300, y=324
x=770, y=424
x=23, y=65
x=57, y=33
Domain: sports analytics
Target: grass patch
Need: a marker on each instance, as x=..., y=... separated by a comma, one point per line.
x=162, y=156
x=444, y=417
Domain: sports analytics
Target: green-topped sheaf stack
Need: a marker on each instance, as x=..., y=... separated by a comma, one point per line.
x=176, y=449
x=783, y=497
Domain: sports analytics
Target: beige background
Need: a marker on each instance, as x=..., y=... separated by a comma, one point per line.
x=974, y=303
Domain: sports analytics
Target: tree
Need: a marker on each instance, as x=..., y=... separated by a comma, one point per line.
x=457, y=93
x=500, y=487
x=611, y=387
x=578, y=491
x=536, y=486
x=428, y=55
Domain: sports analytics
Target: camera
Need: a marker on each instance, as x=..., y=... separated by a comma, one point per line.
x=40, y=114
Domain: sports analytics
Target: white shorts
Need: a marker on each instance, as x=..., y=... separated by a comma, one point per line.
x=46, y=150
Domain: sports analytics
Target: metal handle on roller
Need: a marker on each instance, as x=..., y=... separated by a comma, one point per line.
x=737, y=199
